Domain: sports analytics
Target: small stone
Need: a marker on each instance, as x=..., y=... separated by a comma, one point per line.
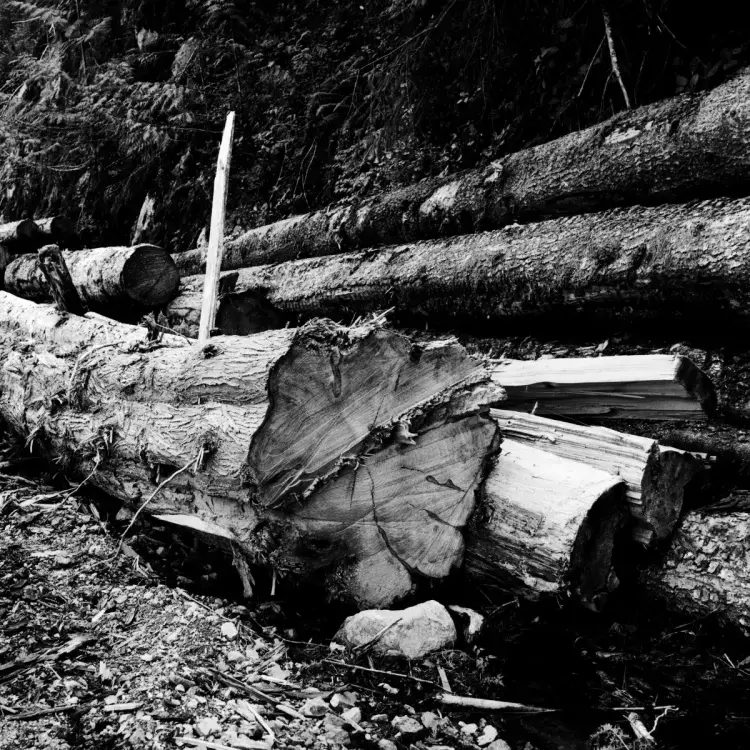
x=235, y=655
x=352, y=714
x=469, y=729
x=229, y=630
x=337, y=735
x=242, y=741
x=488, y=735
x=208, y=726
x=315, y=707
x=379, y=718
x=430, y=720
x=409, y=728
x=387, y=745
x=499, y=745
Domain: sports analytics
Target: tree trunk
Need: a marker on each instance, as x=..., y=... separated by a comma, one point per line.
x=20, y=236
x=59, y=230
x=548, y=524
x=705, y=571
x=647, y=386
x=688, y=146
x=111, y=279
x=655, y=477
x=680, y=262
x=268, y=433
x=55, y=271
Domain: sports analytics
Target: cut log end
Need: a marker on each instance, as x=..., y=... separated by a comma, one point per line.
x=150, y=276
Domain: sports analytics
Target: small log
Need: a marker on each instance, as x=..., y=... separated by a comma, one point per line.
x=55, y=270
x=705, y=572
x=548, y=526
x=688, y=146
x=655, y=477
x=58, y=230
x=648, y=386
x=110, y=279
x=20, y=236
x=684, y=262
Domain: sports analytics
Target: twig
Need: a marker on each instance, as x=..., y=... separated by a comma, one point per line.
x=588, y=70
x=485, y=704
x=252, y=744
x=613, y=53
x=382, y=671
x=29, y=715
x=363, y=648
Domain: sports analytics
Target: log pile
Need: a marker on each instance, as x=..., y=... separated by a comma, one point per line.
x=345, y=453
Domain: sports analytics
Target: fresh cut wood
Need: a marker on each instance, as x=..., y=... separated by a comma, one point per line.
x=655, y=477
x=673, y=262
x=641, y=386
x=687, y=146
x=109, y=279
x=547, y=525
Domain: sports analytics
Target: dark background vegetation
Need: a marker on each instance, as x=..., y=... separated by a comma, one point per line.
x=334, y=99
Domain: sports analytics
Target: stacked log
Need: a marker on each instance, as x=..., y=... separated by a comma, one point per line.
x=690, y=146
x=26, y=235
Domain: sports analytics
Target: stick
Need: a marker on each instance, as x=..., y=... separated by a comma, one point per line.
x=485, y=704
x=613, y=54
x=195, y=741
x=55, y=270
x=381, y=671
x=216, y=240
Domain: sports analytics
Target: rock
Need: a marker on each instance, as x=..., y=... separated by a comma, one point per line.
x=379, y=718
x=488, y=735
x=499, y=745
x=208, y=726
x=469, y=729
x=387, y=745
x=352, y=714
x=409, y=729
x=315, y=707
x=337, y=736
x=235, y=655
x=430, y=720
x=421, y=629
x=472, y=622
x=229, y=630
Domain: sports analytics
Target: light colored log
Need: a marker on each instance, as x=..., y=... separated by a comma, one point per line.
x=548, y=526
x=646, y=386
x=688, y=146
x=110, y=279
x=655, y=477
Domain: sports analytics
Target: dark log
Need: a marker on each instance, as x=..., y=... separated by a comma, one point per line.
x=59, y=230
x=674, y=262
x=55, y=271
x=20, y=236
x=688, y=146
x=109, y=279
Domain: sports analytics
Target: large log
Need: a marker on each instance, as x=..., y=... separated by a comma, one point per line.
x=263, y=429
x=655, y=477
x=24, y=234
x=58, y=230
x=705, y=572
x=110, y=279
x=646, y=386
x=547, y=525
x=689, y=146
x=680, y=262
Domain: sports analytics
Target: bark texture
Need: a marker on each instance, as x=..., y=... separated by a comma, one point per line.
x=688, y=146
x=655, y=478
x=19, y=236
x=55, y=271
x=59, y=230
x=677, y=261
x=343, y=447
x=106, y=278
x=548, y=525
x=705, y=572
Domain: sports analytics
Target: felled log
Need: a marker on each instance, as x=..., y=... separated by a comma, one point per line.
x=58, y=230
x=55, y=271
x=690, y=146
x=705, y=571
x=547, y=525
x=109, y=279
x=655, y=477
x=680, y=262
x=24, y=233
x=317, y=448
x=646, y=386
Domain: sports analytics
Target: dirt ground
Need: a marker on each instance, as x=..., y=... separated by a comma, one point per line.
x=146, y=641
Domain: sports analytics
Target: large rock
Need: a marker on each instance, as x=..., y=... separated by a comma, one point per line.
x=420, y=629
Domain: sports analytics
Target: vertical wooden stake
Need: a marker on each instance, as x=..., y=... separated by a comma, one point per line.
x=216, y=239
x=54, y=268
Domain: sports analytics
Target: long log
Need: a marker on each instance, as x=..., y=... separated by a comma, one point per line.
x=646, y=386
x=58, y=230
x=655, y=477
x=705, y=572
x=24, y=233
x=680, y=262
x=689, y=146
x=548, y=525
x=106, y=278
x=257, y=431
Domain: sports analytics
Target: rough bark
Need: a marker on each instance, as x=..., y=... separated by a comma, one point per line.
x=680, y=262
x=55, y=271
x=705, y=571
x=19, y=236
x=655, y=477
x=269, y=432
x=647, y=386
x=689, y=146
x=548, y=525
x=106, y=278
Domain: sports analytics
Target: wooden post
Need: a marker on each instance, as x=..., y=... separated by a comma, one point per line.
x=55, y=270
x=216, y=239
